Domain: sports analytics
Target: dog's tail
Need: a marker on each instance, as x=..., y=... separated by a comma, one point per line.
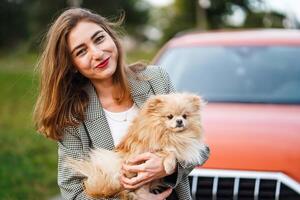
x=102, y=172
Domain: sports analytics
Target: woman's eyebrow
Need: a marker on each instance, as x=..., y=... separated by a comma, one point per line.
x=95, y=34
x=80, y=45
x=77, y=47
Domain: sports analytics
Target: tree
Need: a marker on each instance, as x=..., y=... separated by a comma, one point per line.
x=183, y=17
x=12, y=23
x=136, y=12
x=28, y=20
x=254, y=18
x=211, y=15
x=40, y=14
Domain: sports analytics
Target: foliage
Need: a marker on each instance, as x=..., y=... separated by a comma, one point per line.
x=190, y=15
x=261, y=19
x=28, y=20
x=254, y=19
x=12, y=23
x=184, y=17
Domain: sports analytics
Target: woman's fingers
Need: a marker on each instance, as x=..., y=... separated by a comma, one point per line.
x=132, y=187
x=134, y=168
x=128, y=184
x=164, y=194
x=140, y=158
x=141, y=177
x=147, y=166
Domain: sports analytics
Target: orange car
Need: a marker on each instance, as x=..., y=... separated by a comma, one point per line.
x=251, y=81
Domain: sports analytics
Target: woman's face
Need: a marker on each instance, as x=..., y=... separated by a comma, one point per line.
x=93, y=51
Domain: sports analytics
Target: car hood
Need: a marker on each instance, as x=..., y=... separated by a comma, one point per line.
x=258, y=137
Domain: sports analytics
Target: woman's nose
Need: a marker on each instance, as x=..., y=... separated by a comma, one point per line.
x=97, y=52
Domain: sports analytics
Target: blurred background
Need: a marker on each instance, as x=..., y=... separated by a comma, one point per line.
x=28, y=161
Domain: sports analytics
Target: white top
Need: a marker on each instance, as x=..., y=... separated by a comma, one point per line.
x=119, y=122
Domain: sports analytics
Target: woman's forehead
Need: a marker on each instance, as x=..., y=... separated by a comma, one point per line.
x=83, y=32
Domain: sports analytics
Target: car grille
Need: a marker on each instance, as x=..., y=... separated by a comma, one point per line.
x=245, y=185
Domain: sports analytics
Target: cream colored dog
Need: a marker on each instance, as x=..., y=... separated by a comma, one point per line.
x=168, y=125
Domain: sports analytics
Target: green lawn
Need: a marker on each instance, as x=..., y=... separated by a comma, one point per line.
x=28, y=161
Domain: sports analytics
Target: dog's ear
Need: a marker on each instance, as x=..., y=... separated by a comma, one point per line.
x=196, y=101
x=154, y=103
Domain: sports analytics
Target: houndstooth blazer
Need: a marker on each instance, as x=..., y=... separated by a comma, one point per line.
x=94, y=132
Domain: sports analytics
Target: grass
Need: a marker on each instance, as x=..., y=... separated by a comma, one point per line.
x=28, y=161
x=140, y=55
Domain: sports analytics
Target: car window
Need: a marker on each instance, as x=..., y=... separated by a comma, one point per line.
x=267, y=74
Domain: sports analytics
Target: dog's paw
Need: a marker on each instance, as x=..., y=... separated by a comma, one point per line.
x=128, y=195
x=170, y=164
x=132, y=196
x=130, y=174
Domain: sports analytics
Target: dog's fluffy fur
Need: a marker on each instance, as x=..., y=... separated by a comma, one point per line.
x=168, y=125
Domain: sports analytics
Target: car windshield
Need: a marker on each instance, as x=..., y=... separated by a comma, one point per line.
x=258, y=74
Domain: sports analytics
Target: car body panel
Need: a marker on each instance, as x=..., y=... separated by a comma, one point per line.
x=266, y=37
x=253, y=137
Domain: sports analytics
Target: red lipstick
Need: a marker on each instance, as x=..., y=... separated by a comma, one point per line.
x=103, y=63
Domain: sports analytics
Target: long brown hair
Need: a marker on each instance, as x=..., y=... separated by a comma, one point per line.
x=62, y=99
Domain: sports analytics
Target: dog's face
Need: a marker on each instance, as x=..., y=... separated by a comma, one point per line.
x=175, y=111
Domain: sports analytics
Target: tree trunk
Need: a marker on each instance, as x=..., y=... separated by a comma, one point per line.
x=74, y=3
x=201, y=19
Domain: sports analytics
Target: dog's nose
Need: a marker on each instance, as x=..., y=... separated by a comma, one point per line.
x=179, y=121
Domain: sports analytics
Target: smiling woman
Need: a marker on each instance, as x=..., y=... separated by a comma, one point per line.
x=77, y=41
x=84, y=87
x=93, y=52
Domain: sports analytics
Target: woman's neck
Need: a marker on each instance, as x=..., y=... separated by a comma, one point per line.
x=104, y=88
x=105, y=91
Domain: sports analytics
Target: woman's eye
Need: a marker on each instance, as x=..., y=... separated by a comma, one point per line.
x=81, y=52
x=184, y=116
x=170, y=116
x=99, y=39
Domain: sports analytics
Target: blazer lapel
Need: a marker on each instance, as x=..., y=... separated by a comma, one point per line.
x=140, y=90
x=96, y=124
x=95, y=121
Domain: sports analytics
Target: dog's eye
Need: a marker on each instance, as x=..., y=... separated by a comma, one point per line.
x=184, y=116
x=170, y=116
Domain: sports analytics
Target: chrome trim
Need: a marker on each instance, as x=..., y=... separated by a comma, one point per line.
x=256, y=188
x=215, y=188
x=277, y=192
x=236, y=188
x=248, y=174
x=194, y=186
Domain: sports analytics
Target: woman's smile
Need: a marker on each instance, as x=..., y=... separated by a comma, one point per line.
x=103, y=64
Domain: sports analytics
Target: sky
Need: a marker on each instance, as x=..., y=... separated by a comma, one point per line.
x=286, y=6
x=160, y=2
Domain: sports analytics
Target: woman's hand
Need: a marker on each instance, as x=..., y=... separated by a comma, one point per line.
x=147, y=166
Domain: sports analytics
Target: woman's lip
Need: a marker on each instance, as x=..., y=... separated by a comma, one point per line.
x=103, y=63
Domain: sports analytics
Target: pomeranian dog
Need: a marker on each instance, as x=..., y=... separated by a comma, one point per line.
x=168, y=125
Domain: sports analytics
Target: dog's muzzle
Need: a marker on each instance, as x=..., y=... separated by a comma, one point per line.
x=179, y=123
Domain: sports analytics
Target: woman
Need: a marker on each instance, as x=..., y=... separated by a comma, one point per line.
x=88, y=97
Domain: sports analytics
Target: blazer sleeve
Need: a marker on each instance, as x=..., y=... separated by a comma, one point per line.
x=70, y=182
x=169, y=87
x=183, y=169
